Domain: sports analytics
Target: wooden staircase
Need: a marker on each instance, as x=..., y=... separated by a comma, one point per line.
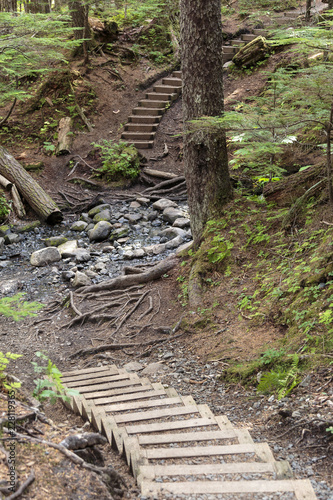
x=174, y=446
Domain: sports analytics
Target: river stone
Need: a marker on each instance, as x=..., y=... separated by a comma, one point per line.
x=181, y=222
x=4, y=229
x=79, y=225
x=80, y=279
x=101, y=231
x=163, y=203
x=55, y=241
x=102, y=215
x=67, y=275
x=171, y=214
x=98, y=209
x=135, y=204
x=9, y=286
x=45, y=256
x=119, y=232
x=68, y=249
x=90, y=273
x=2, y=244
x=82, y=255
x=11, y=238
x=133, y=218
x=142, y=200
x=172, y=232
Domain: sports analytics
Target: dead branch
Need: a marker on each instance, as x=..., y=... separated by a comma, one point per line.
x=164, y=184
x=159, y=174
x=5, y=183
x=71, y=298
x=121, y=282
x=23, y=486
x=136, y=305
x=150, y=308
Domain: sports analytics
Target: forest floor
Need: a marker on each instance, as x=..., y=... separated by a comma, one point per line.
x=212, y=338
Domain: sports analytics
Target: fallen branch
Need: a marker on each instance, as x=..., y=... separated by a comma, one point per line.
x=23, y=486
x=17, y=202
x=71, y=298
x=5, y=183
x=159, y=174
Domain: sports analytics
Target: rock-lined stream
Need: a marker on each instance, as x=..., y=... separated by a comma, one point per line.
x=42, y=260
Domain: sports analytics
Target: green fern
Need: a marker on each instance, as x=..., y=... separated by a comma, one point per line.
x=14, y=307
x=280, y=382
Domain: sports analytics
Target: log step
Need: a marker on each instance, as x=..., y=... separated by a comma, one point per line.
x=238, y=43
x=167, y=89
x=172, y=82
x=177, y=74
x=145, y=111
x=140, y=127
x=156, y=96
x=146, y=103
x=139, y=136
x=142, y=144
x=229, y=49
x=248, y=37
x=145, y=119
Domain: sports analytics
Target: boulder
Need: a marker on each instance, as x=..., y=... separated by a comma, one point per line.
x=79, y=226
x=102, y=215
x=68, y=249
x=98, y=209
x=45, y=256
x=163, y=203
x=80, y=279
x=55, y=241
x=170, y=214
x=101, y=231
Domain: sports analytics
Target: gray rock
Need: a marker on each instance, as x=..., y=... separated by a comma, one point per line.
x=171, y=214
x=163, y=203
x=135, y=204
x=4, y=229
x=152, y=215
x=181, y=222
x=142, y=200
x=185, y=246
x=68, y=249
x=2, y=244
x=80, y=279
x=98, y=209
x=67, y=275
x=11, y=238
x=133, y=218
x=9, y=286
x=173, y=232
x=153, y=368
x=100, y=232
x=133, y=366
x=79, y=225
x=45, y=256
x=119, y=232
x=91, y=274
x=82, y=255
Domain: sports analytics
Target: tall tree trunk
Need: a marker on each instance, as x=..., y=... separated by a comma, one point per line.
x=205, y=152
x=79, y=13
x=308, y=9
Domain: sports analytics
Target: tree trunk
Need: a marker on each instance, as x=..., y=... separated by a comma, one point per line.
x=252, y=52
x=79, y=14
x=205, y=151
x=36, y=197
x=65, y=136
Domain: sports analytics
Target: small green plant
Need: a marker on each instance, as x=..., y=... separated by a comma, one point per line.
x=4, y=360
x=119, y=160
x=14, y=307
x=50, y=387
x=4, y=208
x=280, y=382
x=271, y=355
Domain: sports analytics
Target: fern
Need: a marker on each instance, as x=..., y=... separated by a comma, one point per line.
x=14, y=307
x=281, y=382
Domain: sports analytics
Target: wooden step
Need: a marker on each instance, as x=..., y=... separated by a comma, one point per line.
x=177, y=74
x=167, y=89
x=146, y=103
x=237, y=43
x=248, y=37
x=144, y=119
x=148, y=111
x=227, y=57
x=140, y=127
x=138, y=136
x=260, y=32
x=172, y=81
x=86, y=371
x=301, y=488
x=229, y=49
x=131, y=387
x=141, y=144
x=155, y=96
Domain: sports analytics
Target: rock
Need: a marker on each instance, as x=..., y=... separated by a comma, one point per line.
x=133, y=218
x=143, y=201
x=101, y=231
x=80, y=441
x=152, y=215
x=133, y=366
x=163, y=203
x=181, y=222
x=68, y=249
x=119, y=233
x=296, y=414
x=171, y=214
x=80, y=279
x=45, y=256
x=82, y=255
x=8, y=287
x=173, y=232
x=67, y=275
x=103, y=215
x=4, y=229
x=98, y=209
x=79, y=226
x=2, y=244
x=91, y=274
x=153, y=368
x=138, y=253
x=11, y=238
x=135, y=204
x=185, y=246
x=55, y=241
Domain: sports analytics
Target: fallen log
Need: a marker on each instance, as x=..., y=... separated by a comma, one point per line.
x=251, y=53
x=31, y=191
x=5, y=183
x=65, y=136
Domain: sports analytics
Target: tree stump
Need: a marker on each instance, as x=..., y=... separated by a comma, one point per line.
x=250, y=54
x=65, y=137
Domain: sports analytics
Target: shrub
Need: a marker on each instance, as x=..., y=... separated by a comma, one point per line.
x=118, y=161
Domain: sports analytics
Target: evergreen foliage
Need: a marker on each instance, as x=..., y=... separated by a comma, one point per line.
x=14, y=307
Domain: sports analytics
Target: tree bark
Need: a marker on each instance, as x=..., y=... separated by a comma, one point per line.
x=205, y=152
x=36, y=197
x=65, y=136
x=252, y=52
x=79, y=14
